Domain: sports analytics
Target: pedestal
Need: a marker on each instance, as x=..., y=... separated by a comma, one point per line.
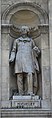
x=26, y=102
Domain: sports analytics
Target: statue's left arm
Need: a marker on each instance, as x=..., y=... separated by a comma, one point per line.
x=36, y=53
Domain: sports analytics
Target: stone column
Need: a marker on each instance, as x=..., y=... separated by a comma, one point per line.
x=50, y=42
x=45, y=66
x=5, y=62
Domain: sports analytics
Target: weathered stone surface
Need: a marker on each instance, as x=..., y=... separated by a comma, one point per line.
x=50, y=41
x=5, y=57
x=5, y=83
x=51, y=56
x=5, y=29
x=40, y=2
x=44, y=41
x=46, y=82
x=45, y=57
x=46, y=67
x=25, y=104
x=0, y=57
x=27, y=97
x=51, y=83
x=6, y=104
x=4, y=7
x=21, y=97
x=5, y=42
x=50, y=37
x=36, y=113
x=46, y=104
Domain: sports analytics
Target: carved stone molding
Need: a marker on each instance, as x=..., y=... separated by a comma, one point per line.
x=34, y=7
x=44, y=28
x=26, y=113
x=5, y=28
x=41, y=29
x=13, y=32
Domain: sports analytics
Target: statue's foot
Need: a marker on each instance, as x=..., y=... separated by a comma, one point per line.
x=30, y=93
x=21, y=94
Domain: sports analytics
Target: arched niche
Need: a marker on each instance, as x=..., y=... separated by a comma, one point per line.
x=16, y=11
x=25, y=17
x=19, y=19
x=34, y=7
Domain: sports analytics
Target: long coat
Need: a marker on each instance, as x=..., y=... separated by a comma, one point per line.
x=22, y=52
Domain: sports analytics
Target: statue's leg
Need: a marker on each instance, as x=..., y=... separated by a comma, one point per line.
x=30, y=83
x=20, y=83
x=25, y=83
x=35, y=83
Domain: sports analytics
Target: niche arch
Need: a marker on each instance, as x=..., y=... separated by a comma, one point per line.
x=34, y=7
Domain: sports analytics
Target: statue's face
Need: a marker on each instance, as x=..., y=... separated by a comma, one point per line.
x=24, y=30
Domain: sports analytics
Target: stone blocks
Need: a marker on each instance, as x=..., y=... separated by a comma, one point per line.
x=6, y=104
x=26, y=113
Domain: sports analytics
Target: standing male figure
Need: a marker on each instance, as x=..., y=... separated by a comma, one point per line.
x=24, y=60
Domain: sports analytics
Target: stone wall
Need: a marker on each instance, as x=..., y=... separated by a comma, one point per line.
x=6, y=3
x=26, y=113
x=50, y=42
x=6, y=41
x=45, y=43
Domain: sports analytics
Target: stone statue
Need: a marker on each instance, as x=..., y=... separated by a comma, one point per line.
x=24, y=52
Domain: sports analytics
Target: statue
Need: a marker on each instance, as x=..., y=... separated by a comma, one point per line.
x=24, y=52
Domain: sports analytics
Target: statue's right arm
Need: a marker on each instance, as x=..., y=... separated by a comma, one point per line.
x=13, y=53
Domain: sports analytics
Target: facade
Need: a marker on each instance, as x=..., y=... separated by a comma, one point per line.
x=32, y=13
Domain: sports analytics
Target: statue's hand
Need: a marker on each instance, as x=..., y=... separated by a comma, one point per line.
x=37, y=50
x=11, y=60
x=12, y=57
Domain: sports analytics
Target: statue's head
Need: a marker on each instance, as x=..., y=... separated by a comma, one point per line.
x=24, y=30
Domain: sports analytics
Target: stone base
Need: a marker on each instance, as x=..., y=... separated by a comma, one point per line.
x=22, y=108
x=26, y=104
x=22, y=102
x=28, y=101
x=26, y=113
x=26, y=97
